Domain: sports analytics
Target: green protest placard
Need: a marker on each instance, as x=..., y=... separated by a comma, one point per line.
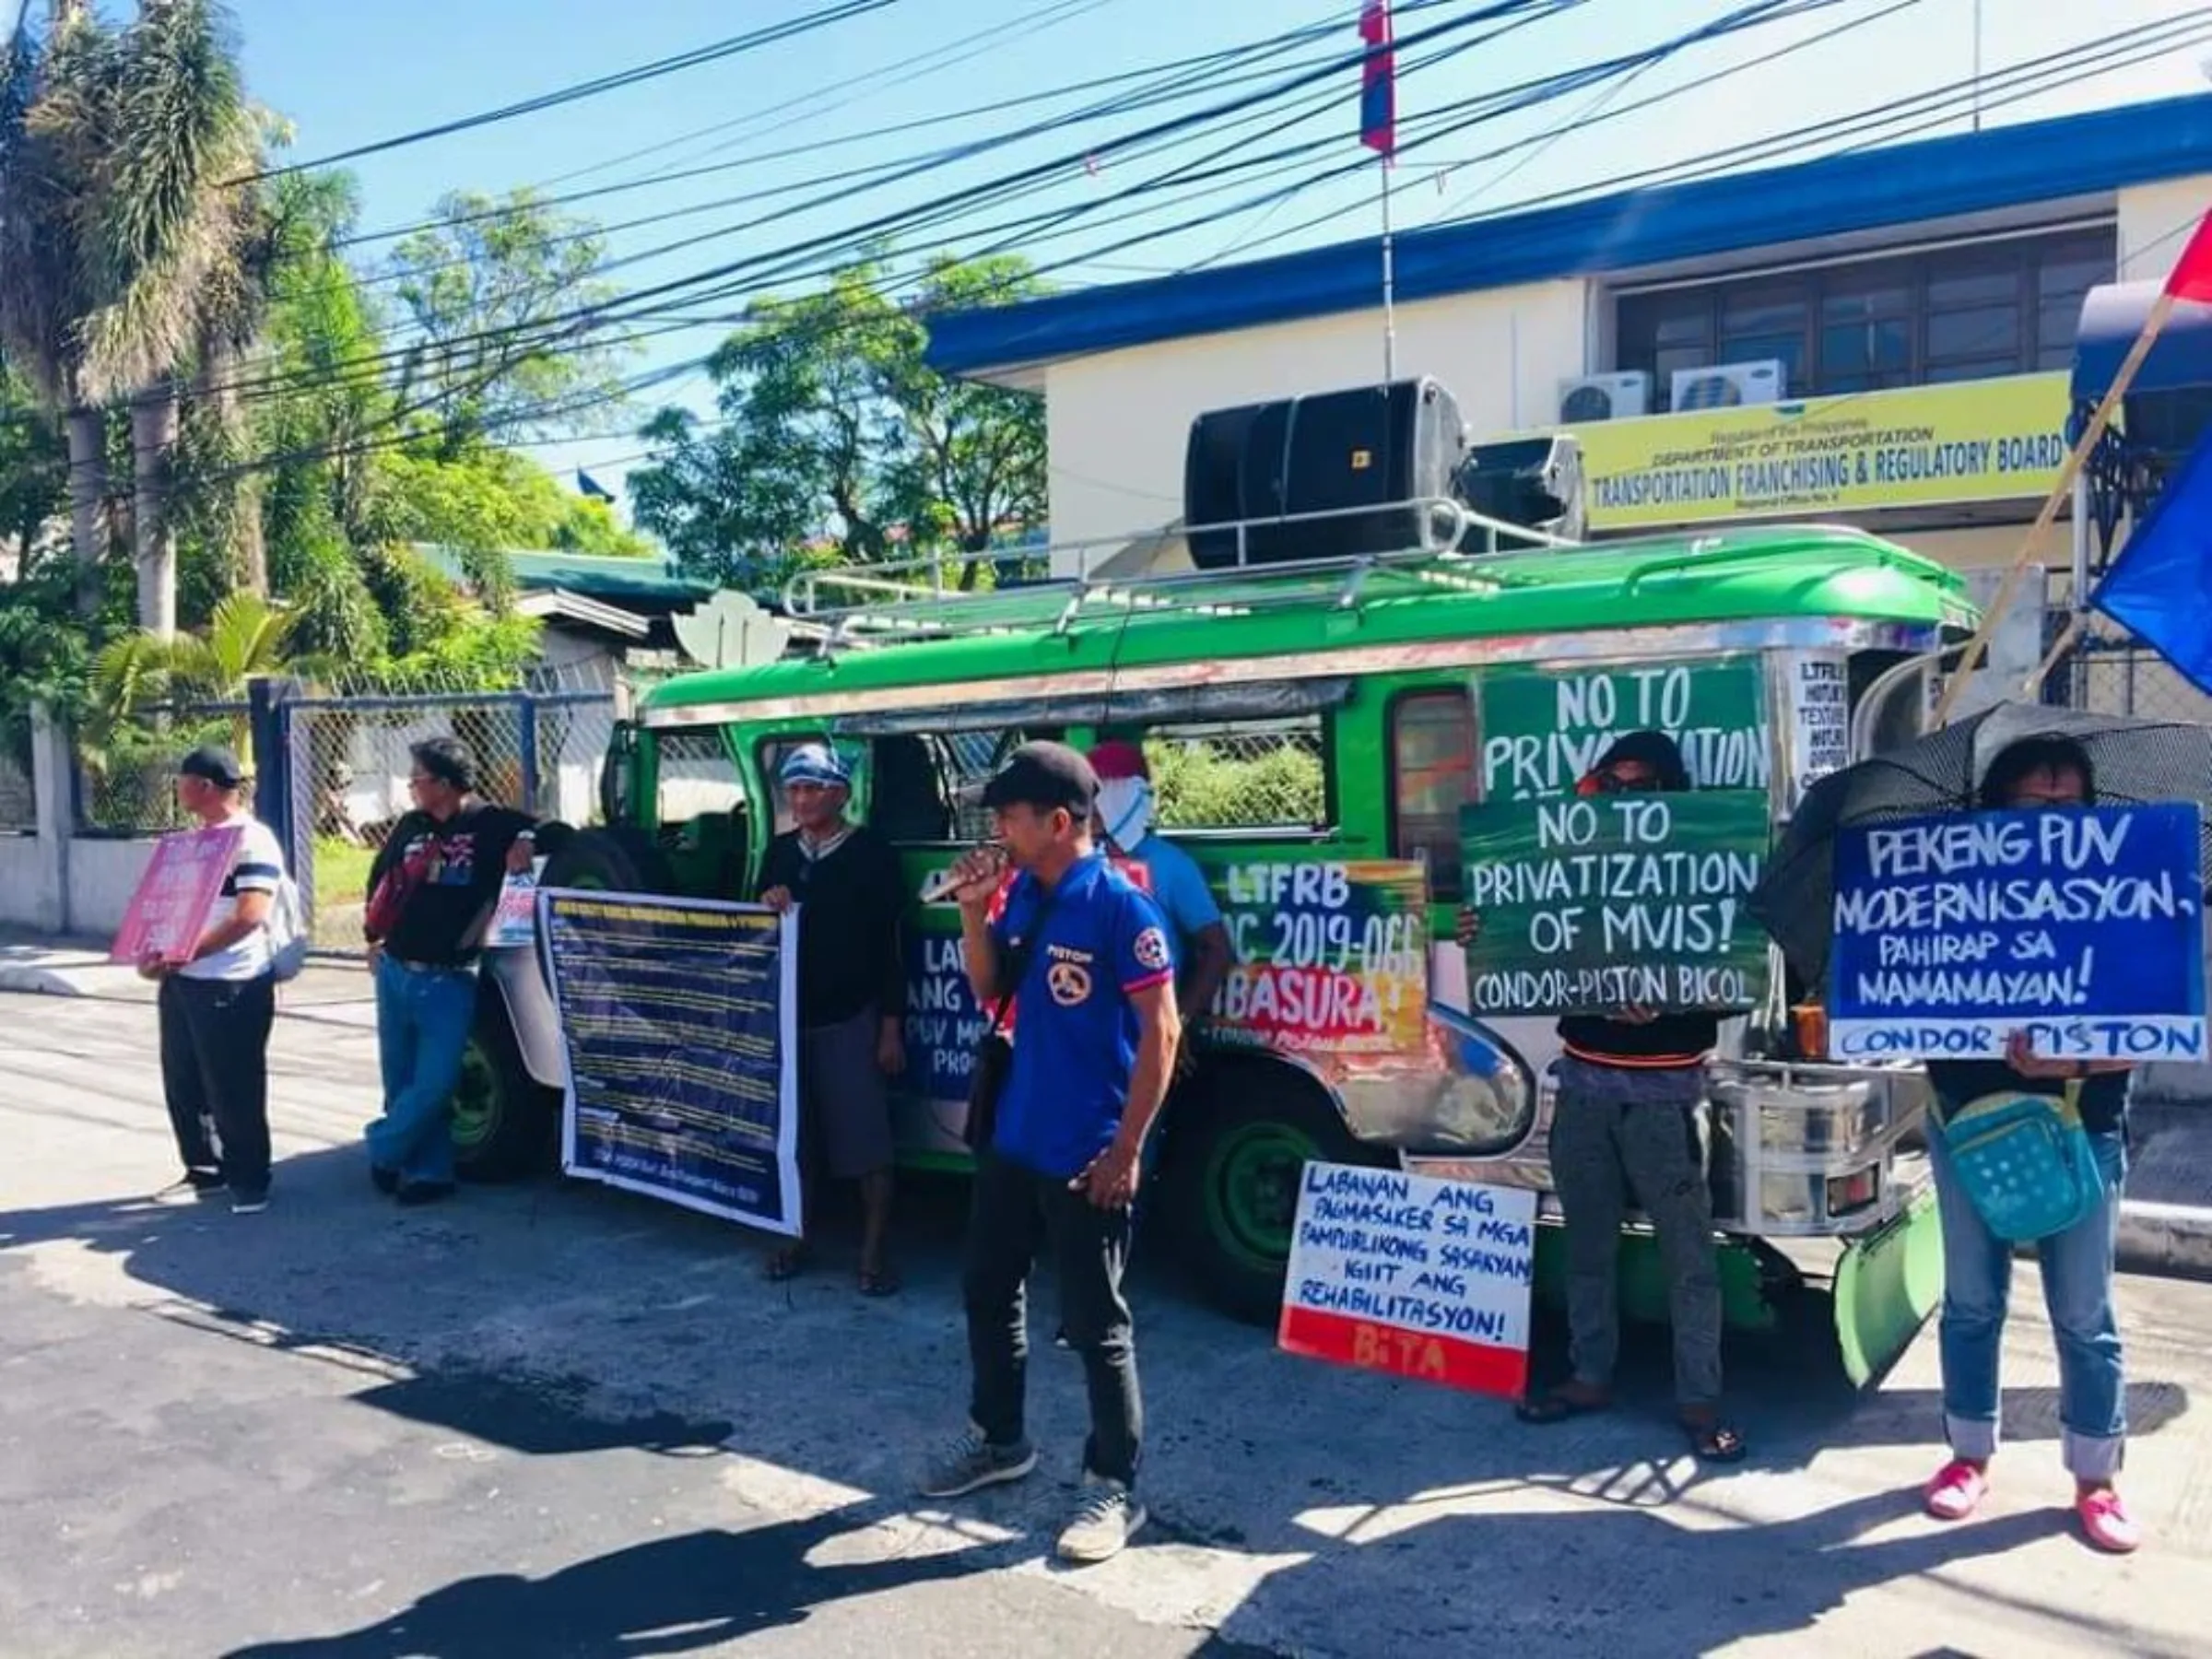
x=1544, y=728
x=1591, y=905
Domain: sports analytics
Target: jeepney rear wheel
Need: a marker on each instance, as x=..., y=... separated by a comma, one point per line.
x=506, y=1124
x=1237, y=1147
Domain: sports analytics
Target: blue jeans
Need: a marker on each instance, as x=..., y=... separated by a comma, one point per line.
x=2078, y=1292
x=423, y=1020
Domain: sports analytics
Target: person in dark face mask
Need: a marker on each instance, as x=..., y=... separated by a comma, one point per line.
x=1629, y=1122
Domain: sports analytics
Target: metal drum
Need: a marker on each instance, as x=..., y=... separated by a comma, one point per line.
x=1802, y=1150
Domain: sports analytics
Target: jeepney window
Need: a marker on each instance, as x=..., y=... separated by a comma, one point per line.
x=914, y=789
x=1242, y=775
x=696, y=775
x=1432, y=756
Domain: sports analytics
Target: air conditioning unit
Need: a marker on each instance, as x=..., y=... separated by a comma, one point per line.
x=1605, y=397
x=1726, y=385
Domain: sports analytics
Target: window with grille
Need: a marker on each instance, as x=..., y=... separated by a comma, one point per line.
x=1432, y=777
x=1976, y=313
x=695, y=775
x=1253, y=775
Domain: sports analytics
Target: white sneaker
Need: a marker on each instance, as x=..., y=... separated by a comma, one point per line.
x=1107, y=1516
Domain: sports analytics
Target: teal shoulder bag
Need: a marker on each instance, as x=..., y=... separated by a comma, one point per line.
x=2026, y=1162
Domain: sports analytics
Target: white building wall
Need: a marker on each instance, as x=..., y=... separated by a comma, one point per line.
x=1117, y=423
x=2155, y=222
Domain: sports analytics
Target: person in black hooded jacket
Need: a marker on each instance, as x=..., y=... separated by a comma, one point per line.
x=1629, y=1122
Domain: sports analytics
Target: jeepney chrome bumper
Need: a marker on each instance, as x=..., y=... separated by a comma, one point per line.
x=1798, y=1151
x=1809, y=1150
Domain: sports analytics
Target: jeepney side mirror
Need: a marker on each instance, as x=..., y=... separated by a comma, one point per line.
x=618, y=773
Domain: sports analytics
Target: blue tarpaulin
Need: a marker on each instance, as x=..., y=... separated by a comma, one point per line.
x=2160, y=586
x=2113, y=316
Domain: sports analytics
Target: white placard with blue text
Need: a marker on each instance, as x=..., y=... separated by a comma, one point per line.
x=2084, y=928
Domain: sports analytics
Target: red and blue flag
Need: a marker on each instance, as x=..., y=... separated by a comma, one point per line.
x=1378, y=81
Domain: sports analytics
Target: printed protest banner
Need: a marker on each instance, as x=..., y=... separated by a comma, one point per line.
x=1544, y=729
x=944, y=1022
x=1620, y=900
x=514, y=918
x=1413, y=1275
x=175, y=899
x=1819, y=683
x=1330, y=958
x=679, y=1017
x=2084, y=928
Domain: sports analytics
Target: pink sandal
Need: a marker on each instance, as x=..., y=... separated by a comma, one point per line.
x=1957, y=1492
x=2105, y=1522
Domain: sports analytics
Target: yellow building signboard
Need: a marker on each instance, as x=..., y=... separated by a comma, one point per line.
x=1921, y=446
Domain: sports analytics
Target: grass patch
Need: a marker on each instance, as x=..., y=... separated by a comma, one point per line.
x=341, y=871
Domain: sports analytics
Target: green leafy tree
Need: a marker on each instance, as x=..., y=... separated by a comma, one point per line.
x=34, y=474
x=491, y=289
x=833, y=432
x=126, y=247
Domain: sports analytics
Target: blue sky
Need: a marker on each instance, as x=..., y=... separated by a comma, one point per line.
x=347, y=72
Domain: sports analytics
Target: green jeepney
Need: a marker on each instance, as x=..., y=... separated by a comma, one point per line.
x=1337, y=715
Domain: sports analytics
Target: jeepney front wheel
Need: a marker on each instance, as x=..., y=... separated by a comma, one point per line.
x=1236, y=1149
x=506, y=1123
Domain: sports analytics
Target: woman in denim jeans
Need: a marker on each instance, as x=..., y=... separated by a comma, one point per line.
x=2077, y=1264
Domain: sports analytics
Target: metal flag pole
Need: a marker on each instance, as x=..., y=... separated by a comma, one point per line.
x=2060, y=491
x=1390, y=287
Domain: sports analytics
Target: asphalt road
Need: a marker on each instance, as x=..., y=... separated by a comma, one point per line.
x=557, y=1421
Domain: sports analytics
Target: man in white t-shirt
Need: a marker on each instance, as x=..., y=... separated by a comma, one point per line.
x=216, y=1007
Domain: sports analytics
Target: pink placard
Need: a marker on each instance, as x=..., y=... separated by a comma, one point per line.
x=177, y=894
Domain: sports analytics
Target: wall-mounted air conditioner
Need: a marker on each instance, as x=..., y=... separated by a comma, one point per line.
x=1725, y=385
x=1605, y=397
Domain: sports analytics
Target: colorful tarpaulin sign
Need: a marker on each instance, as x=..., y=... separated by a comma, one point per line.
x=1332, y=957
x=175, y=899
x=1918, y=446
x=1615, y=901
x=1413, y=1275
x=2083, y=928
x=680, y=1021
x=1542, y=729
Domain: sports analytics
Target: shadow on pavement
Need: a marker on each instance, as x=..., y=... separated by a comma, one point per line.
x=561, y=1320
x=673, y=1595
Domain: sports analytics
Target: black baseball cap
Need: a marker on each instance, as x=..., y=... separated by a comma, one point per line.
x=1046, y=776
x=217, y=764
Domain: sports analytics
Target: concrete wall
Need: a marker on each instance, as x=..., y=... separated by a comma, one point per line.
x=1117, y=423
x=102, y=876
x=24, y=900
x=2155, y=222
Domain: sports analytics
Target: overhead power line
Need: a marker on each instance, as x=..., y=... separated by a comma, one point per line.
x=840, y=11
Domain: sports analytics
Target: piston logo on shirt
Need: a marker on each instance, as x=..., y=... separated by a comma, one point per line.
x=1068, y=981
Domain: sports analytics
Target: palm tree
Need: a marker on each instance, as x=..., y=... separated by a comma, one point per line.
x=125, y=252
x=45, y=283
x=247, y=639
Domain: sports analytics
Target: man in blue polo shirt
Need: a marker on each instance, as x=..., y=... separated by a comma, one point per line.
x=1086, y=956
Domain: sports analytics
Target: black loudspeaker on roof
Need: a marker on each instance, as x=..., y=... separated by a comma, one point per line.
x=1371, y=448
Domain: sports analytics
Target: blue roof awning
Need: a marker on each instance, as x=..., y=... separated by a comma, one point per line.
x=2112, y=318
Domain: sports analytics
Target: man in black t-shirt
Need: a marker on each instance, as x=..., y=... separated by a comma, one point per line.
x=431, y=892
x=851, y=902
x=1627, y=1122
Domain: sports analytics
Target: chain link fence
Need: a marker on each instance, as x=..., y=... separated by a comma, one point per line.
x=18, y=801
x=126, y=771
x=1243, y=777
x=351, y=757
x=2119, y=677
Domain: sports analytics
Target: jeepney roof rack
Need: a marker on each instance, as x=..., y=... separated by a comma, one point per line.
x=923, y=598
